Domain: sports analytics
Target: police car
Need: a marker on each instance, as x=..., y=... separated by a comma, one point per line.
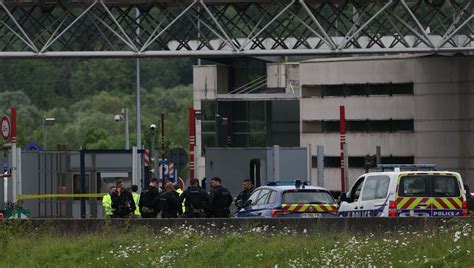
x=289, y=199
x=399, y=193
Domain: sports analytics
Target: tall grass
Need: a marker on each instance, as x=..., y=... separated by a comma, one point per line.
x=451, y=245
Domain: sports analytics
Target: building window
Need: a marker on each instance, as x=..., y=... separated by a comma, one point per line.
x=313, y=126
x=359, y=126
x=347, y=90
x=359, y=161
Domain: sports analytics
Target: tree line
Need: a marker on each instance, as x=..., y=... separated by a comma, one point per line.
x=84, y=95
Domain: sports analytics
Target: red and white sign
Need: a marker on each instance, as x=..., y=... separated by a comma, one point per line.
x=146, y=158
x=6, y=128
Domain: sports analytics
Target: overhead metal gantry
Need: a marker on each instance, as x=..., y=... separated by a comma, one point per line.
x=208, y=28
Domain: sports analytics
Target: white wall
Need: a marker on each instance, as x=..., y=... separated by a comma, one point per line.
x=442, y=107
x=360, y=107
x=332, y=177
x=356, y=70
x=360, y=144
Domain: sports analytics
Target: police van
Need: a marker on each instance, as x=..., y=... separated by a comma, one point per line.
x=419, y=192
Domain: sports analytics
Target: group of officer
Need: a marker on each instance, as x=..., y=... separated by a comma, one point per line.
x=172, y=202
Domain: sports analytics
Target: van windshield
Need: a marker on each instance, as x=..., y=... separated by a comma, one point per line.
x=307, y=197
x=429, y=186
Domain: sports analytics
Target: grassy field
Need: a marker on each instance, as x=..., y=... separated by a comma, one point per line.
x=450, y=246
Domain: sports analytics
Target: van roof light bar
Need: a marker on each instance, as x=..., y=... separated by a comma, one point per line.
x=287, y=182
x=414, y=167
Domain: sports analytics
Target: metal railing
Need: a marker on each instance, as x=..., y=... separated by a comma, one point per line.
x=252, y=86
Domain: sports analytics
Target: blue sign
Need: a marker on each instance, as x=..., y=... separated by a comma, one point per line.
x=164, y=169
x=6, y=167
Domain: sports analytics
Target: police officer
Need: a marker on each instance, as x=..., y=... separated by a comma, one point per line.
x=148, y=204
x=195, y=200
x=469, y=197
x=136, y=199
x=107, y=203
x=245, y=194
x=220, y=199
x=169, y=202
x=122, y=201
x=180, y=191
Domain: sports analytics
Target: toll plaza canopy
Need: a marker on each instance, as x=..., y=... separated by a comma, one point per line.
x=213, y=28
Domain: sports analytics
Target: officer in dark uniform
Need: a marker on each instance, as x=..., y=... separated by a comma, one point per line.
x=245, y=194
x=148, y=204
x=169, y=202
x=195, y=200
x=122, y=201
x=220, y=199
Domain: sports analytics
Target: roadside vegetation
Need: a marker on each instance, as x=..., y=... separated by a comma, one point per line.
x=84, y=95
x=451, y=245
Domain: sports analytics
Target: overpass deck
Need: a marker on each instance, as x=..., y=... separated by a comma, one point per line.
x=213, y=28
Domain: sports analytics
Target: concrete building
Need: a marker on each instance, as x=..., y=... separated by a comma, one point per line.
x=416, y=108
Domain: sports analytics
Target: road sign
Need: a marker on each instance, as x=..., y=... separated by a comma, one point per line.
x=179, y=157
x=6, y=128
x=164, y=169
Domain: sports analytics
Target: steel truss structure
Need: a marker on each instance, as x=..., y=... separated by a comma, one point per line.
x=207, y=28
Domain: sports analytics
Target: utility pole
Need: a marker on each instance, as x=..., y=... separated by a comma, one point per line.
x=127, y=134
x=163, y=149
x=139, y=108
x=342, y=134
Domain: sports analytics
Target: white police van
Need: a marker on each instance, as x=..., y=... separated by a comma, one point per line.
x=405, y=193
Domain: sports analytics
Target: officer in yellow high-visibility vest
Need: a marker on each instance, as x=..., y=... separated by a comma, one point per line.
x=136, y=198
x=180, y=191
x=107, y=203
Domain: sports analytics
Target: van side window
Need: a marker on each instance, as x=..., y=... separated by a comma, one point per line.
x=375, y=187
x=355, y=192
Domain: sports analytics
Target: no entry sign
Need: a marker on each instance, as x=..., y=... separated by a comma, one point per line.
x=6, y=128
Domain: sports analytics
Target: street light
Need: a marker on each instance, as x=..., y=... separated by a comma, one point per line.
x=120, y=117
x=152, y=144
x=47, y=121
x=153, y=156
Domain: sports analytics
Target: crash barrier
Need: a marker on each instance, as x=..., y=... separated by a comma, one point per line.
x=43, y=196
x=58, y=205
x=328, y=225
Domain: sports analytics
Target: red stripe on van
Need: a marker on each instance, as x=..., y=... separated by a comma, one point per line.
x=408, y=203
x=456, y=205
x=441, y=202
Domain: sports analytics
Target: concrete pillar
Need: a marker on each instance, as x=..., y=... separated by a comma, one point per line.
x=14, y=172
x=134, y=165
x=378, y=155
x=18, y=172
x=346, y=168
x=276, y=162
x=320, y=165
x=309, y=163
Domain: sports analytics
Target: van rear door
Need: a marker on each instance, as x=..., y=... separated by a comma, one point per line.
x=429, y=195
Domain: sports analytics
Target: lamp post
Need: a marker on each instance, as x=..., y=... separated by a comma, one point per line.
x=152, y=143
x=47, y=121
x=124, y=116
